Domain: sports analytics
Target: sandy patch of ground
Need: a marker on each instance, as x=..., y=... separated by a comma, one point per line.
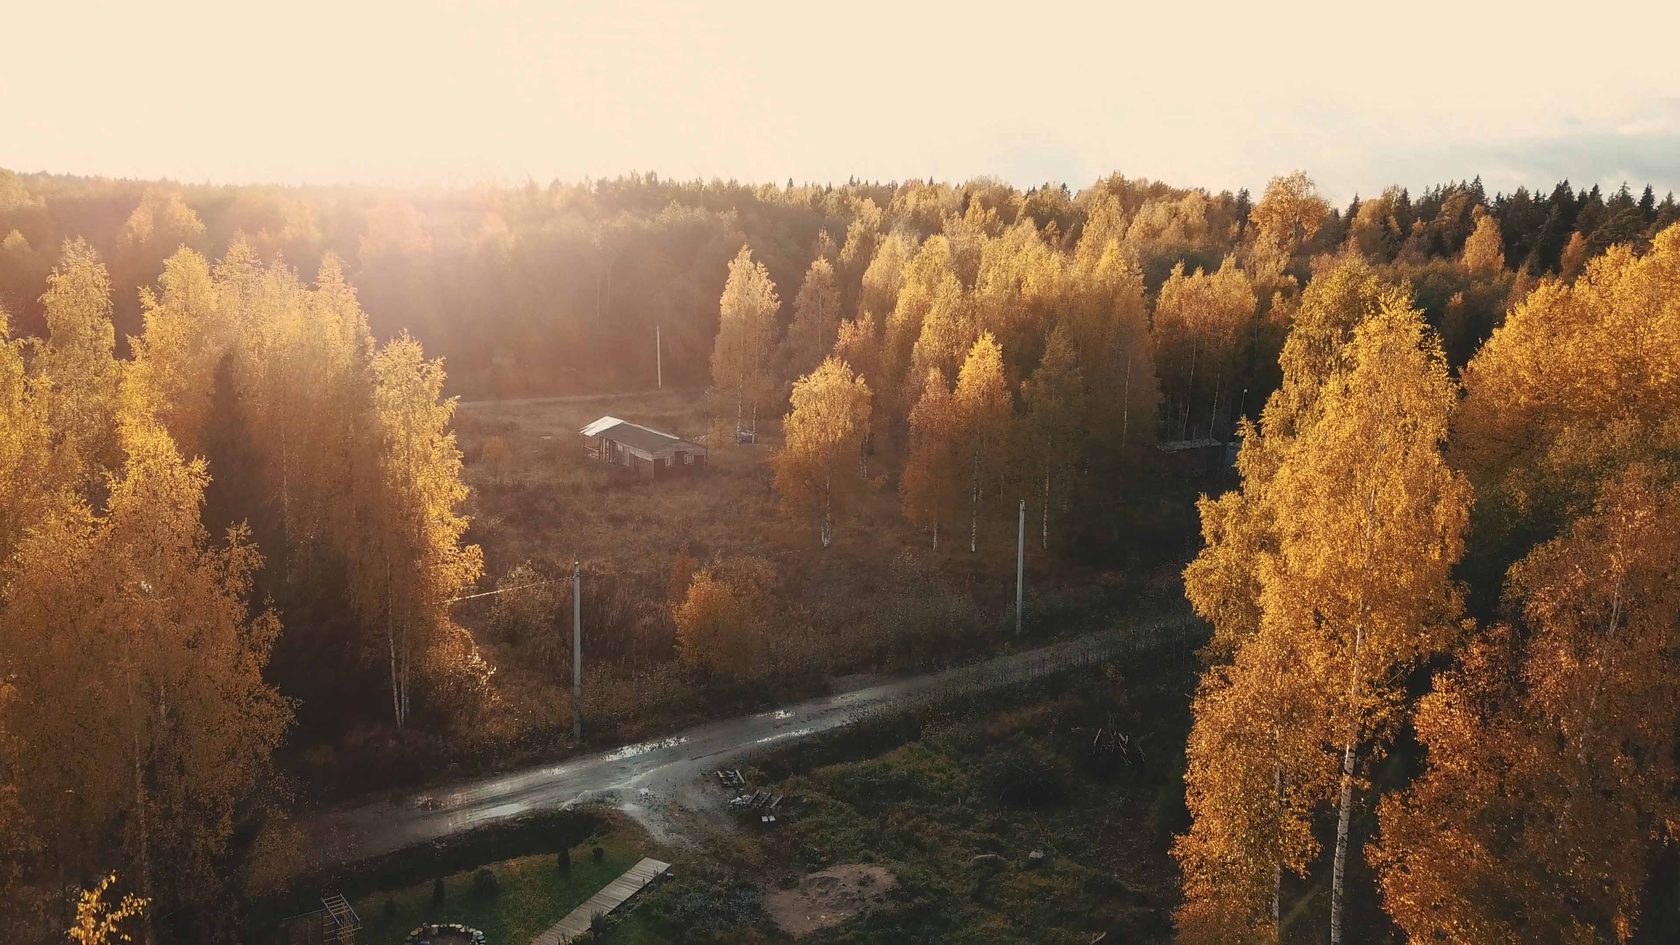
x=829, y=897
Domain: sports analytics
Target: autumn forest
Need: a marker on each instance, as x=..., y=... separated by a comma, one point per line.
x=1427, y=579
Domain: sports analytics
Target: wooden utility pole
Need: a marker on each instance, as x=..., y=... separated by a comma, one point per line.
x=658, y=358
x=1020, y=565
x=577, y=651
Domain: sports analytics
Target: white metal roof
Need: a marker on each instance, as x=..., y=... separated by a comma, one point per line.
x=605, y=423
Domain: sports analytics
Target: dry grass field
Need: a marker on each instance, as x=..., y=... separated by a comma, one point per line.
x=879, y=599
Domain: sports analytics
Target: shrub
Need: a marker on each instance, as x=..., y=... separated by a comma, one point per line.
x=709, y=911
x=719, y=626
x=484, y=882
x=390, y=909
x=563, y=860
x=1021, y=774
x=437, y=890
x=597, y=854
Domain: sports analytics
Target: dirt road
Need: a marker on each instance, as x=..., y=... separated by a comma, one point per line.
x=647, y=779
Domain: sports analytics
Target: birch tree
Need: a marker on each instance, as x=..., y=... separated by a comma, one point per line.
x=816, y=471
x=1370, y=522
x=77, y=369
x=816, y=320
x=982, y=414
x=1053, y=428
x=746, y=329
x=413, y=561
x=1325, y=578
x=142, y=720
x=928, y=487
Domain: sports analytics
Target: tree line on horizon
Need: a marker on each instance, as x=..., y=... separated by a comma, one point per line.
x=559, y=288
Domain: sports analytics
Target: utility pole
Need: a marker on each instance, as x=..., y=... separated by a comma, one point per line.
x=658, y=358
x=577, y=651
x=1020, y=564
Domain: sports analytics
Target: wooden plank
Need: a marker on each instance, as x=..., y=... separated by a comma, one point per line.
x=609, y=898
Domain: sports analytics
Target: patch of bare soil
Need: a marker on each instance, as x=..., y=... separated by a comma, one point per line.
x=829, y=897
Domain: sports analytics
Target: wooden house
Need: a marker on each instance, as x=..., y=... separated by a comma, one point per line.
x=639, y=451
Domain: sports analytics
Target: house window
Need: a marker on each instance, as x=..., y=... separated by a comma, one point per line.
x=688, y=459
x=667, y=460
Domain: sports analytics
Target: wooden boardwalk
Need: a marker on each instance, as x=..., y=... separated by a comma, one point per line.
x=615, y=894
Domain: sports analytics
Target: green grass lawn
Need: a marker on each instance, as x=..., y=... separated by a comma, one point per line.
x=532, y=894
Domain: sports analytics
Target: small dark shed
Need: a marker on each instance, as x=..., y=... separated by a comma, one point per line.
x=641, y=451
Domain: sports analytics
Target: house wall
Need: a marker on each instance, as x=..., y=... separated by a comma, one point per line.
x=629, y=464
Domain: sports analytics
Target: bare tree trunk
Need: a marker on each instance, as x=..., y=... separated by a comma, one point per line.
x=1045, y=538
x=1189, y=393
x=936, y=536
x=1343, y=819
x=1344, y=816
x=391, y=645
x=1126, y=403
x=974, y=507
x=143, y=822
x=1277, y=868
x=827, y=527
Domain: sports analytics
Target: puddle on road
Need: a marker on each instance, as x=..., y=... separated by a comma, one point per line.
x=780, y=735
x=642, y=748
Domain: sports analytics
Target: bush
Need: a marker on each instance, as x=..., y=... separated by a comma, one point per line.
x=1022, y=774
x=597, y=854
x=484, y=882
x=563, y=860
x=437, y=890
x=709, y=911
x=390, y=909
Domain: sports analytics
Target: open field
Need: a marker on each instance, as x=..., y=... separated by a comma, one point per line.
x=878, y=600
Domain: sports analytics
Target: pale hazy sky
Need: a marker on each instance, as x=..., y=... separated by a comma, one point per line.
x=1358, y=94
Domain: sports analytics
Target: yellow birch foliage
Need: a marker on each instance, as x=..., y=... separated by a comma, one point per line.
x=1328, y=580
x=412, y=561
x=1484, y=250
x=1237, y=528
x=140, y=712
x=746, y=331
x=1549, y=749
x=100, y=923
x=982, y=410
x=928, y=277
x=816, y=320
x=929, y=486
x=25, y=440
x=176, y=357
x=77, y=368
x=857, y=344
x=1202, y=327
x=1109, y=324
x=720, y=626
x=1053, y=428
x=885, y=275
x=1256, y=773
x=817, y=470
x=1581, y=380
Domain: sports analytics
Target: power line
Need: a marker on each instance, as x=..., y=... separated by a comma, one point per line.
x=502, y=590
